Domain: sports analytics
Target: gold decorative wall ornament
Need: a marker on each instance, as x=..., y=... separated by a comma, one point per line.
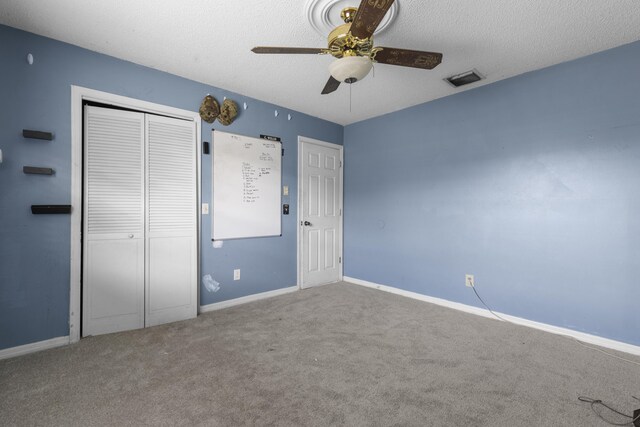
x=209, y=109
x=228, y=113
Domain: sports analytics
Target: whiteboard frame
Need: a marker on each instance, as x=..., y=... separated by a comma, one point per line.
x=279, y=186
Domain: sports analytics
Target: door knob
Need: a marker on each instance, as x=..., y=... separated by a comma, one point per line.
x=307, y=223
x=131, y=236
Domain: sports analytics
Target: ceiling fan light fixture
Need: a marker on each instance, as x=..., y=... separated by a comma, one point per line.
x=350, y=69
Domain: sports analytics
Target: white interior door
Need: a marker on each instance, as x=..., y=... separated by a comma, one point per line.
x=113, y=228
x=171, y=223
x=320, y=212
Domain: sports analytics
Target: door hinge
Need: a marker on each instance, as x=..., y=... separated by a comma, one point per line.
x=340, y=161
x=339, y=260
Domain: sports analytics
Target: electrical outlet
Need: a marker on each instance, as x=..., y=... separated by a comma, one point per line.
x=468, y=280
x=236, y=274
x=205, y=209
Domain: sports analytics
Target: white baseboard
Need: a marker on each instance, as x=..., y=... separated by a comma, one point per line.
x=581, y=336
x=33, y=347
x=60, y=341
x=243, y=300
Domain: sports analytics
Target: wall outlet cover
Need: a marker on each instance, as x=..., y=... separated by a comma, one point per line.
x=205, y=209
x=469, y=280
x=236, y=274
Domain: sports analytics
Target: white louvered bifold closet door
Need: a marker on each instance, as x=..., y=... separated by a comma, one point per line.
x=113, y=221
x=139, y=222
x=171, y=221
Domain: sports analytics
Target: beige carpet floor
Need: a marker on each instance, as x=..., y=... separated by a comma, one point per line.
x=333, y=355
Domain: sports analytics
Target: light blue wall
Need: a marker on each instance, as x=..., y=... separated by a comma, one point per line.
x=34, y=249
x=532, y=184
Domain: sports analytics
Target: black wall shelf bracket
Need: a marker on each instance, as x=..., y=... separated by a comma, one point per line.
x=36, y=134
x=50, y=209
x=37, y=171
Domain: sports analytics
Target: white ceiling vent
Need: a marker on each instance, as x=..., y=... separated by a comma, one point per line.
x=465, y=78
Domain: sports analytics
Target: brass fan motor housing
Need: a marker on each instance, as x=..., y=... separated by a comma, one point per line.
x=341, y=43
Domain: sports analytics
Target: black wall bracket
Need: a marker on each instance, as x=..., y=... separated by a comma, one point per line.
x=36, y=134
x=37, y=171
x=50, y=209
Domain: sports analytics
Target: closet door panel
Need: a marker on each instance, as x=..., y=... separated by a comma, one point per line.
x=170, y=264
x=113, y=221
x=114, y=270
x=171, y=225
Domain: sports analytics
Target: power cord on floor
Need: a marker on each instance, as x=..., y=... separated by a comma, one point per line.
x=564, y=335
x=485, y=304
x=602, y=351
x=595, y=402
x=634, y=420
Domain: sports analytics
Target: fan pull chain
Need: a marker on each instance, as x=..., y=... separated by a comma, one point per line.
x=350, y=97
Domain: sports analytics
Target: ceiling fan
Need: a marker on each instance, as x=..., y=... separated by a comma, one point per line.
x=352, y=44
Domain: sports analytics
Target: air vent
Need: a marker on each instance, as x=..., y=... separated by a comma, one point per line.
x=464, y=78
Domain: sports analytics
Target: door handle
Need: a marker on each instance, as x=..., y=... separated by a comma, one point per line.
x=307, y=223
x=131, y=236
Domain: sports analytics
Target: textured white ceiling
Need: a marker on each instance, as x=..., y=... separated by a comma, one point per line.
x=209, y=41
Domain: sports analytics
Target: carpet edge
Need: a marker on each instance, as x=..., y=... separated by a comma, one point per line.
x=580, y=336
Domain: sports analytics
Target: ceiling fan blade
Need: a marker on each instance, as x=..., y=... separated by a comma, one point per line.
x=331, y=86
x=408, y=58
x=302, y=50
x=368, y=17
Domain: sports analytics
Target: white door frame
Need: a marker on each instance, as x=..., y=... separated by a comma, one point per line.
x=78, y=96
x=302, y=140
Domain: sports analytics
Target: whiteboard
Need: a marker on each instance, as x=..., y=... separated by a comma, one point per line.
x=246, y=187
